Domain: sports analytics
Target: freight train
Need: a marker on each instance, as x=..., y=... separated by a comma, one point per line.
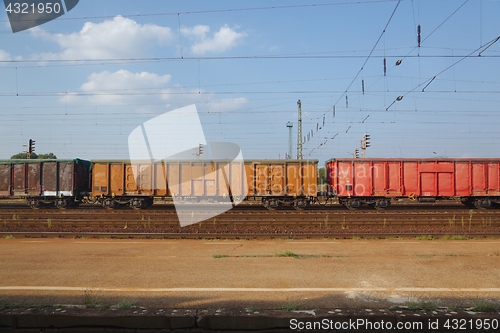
x=275, y=183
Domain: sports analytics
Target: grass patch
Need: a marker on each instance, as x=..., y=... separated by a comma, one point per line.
x=455, y=237
x=486, y=307
x=126, y=304
x=90, y=300
x=104, y=306
x=290, y=306
x=287, y=254
x=427, y=306
x=425, y=237
x=356, y=238
x=218, y=256
x=290, y=254
x=43, y=305
x=10, y=237
x=425, y=255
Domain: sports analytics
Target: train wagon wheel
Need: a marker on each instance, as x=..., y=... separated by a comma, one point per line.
x=109, y=203
x=270, y=204
x=35, y=204
x=62, y=203
x=482, y=203
x=352, y=204
x=300, y=204
x=382, y=204
x=138, y=204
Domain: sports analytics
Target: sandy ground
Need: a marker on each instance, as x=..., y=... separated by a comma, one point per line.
x=214, y=274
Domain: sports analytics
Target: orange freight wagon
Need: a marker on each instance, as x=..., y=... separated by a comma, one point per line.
x=277, y=182
x=377, y=181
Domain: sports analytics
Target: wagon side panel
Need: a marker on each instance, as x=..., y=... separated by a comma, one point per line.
x=160, y=179
x=362, y=179
x=250, y=179
x=50, y=179
x=19, y=180
x=34, y=179
x=238, y=179
x=65, y=175
x=309, y=176
x=493, y=179
x=479, y=179
x=116, y=179
x=276, y=179
x=5, y=180
x=462, y=178
x=100, y=179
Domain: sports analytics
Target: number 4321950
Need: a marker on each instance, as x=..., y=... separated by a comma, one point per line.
x=41, y=8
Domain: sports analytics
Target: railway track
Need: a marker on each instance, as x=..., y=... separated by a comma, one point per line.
x=164, y=218
x=254, y=220
x=250, y=236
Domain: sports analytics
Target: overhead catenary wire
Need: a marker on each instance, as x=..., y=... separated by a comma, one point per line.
x=427, y=82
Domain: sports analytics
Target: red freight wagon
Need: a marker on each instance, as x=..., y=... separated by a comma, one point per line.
x=377, y=181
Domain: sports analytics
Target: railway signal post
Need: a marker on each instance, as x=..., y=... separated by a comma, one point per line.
x=31, y=149
x=365, y=144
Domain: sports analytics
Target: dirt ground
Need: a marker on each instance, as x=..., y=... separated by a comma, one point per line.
x=204, y=274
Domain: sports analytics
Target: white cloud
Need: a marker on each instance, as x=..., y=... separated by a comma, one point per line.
x=223, y=40
x=4, y=56
x=120, y=86
x=120, y=37
x=226, y=105
x=144, y=90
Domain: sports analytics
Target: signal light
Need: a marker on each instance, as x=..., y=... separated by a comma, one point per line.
x=31, y=147
x=199, y=150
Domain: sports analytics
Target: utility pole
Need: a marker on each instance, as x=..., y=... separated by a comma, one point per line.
x=365, y=143
x=289, y=125
x=299, y=135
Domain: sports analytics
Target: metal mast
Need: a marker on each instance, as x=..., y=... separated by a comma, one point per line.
x=289, y=125
x=299, y=139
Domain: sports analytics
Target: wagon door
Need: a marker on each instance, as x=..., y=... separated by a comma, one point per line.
x=437, y=179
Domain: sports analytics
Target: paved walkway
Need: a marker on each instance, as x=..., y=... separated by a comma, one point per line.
x=269, y=274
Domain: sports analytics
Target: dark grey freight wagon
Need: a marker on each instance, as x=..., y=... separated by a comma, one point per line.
x=45, y=182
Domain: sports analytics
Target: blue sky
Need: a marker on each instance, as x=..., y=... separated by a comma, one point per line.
x=80, y=84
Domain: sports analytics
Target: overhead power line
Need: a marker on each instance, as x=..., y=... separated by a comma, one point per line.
x=208, y=11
